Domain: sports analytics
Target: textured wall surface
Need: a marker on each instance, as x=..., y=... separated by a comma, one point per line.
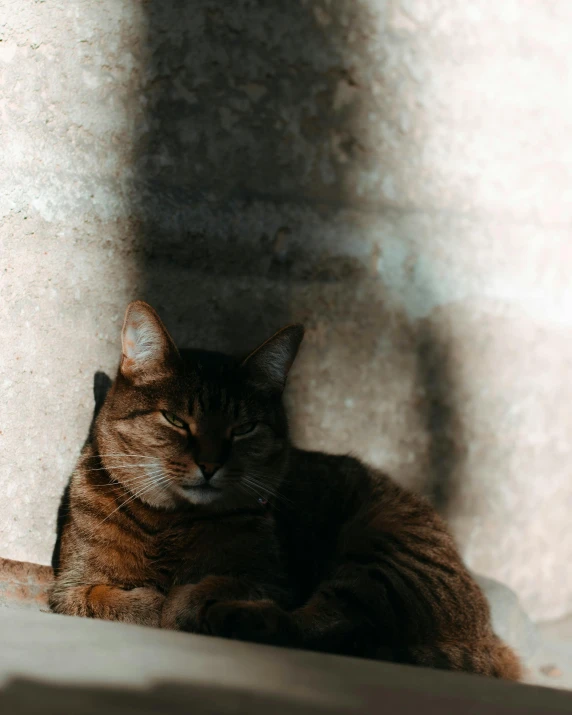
x=397, y=175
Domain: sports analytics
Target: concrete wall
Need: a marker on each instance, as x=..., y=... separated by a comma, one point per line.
x=397, y=175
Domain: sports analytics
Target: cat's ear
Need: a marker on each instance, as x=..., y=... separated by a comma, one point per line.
x=148, y=352
x=269, y=364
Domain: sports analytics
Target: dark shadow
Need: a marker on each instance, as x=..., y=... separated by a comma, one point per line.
x=101, y=385
x=235, y=146
x=248, y=152
x=429, y=692
x=30, y=697
x=446, y=441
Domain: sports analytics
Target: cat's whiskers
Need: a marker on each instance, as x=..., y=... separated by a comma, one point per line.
x=126, y=462
x=264, y=488
x=262, y=492
x=249, y=490
x=125, y=480
x=130, y=482
x=277, y=492
x=258, y=485
x=147, y=476
x=137, y=495
x=120, y=466
x=128, y=457
x=98, y=452
x=250, y=482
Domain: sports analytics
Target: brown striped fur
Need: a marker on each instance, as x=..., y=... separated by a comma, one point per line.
x=280, y=545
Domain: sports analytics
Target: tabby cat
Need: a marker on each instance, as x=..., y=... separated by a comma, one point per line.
x=190, y=509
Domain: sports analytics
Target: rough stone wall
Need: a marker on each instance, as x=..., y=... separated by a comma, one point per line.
x=397, y=175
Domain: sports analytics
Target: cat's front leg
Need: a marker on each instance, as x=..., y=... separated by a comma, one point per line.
x=141, y=605
x=186, y=607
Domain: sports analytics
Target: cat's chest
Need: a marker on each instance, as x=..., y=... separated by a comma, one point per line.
x=238, y=545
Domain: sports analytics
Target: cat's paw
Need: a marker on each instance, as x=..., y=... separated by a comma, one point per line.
x=182, y=609
x=185, y=607
x=149, y=604
x=255, y=621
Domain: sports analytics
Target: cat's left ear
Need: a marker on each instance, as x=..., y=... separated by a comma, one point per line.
x=148, y=351
x=269, y=364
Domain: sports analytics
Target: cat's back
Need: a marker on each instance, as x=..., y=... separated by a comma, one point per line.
x=332, y=501
x=320, y=485
x=345, y=483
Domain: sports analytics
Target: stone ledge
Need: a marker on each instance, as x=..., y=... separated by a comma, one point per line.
x=60, y=664
x=24, y=585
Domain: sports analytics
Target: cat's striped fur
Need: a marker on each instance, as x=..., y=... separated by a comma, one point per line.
x=262, y=542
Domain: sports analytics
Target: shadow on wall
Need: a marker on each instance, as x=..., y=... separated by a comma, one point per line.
x=257, y=134
x=239, y=99
x=442, y=423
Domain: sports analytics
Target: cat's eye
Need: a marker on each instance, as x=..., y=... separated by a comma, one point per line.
x=245, y=428
x=174, y=420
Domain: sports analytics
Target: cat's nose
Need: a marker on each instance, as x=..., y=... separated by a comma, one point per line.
x=209, y=469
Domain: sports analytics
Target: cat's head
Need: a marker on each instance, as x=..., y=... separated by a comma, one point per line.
x=196, y=426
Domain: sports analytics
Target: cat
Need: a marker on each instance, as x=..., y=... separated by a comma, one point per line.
x=190, y=509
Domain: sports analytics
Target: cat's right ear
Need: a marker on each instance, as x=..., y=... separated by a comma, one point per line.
x=148, y=351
